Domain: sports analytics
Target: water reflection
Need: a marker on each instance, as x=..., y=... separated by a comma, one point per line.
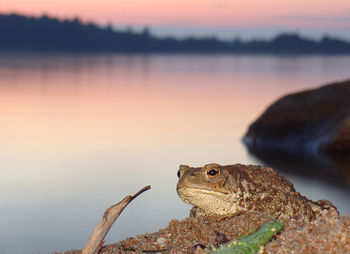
x=330, y=168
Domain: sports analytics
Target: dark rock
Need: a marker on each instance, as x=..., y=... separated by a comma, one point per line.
x=220, y=238
x=313, y=120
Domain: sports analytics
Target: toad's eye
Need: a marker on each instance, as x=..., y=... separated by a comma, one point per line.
x=213, y=172
x=178, y=173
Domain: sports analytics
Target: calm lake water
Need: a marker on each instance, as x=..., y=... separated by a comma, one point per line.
x=79, y=133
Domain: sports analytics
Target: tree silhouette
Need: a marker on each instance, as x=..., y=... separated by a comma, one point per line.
x=18, y=32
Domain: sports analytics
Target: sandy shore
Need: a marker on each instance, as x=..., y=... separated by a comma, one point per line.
x=329, y=233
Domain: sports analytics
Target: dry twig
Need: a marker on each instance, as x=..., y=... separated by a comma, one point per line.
x=111, y=214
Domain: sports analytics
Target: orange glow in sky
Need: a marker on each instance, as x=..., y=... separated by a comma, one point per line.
x=311, y=13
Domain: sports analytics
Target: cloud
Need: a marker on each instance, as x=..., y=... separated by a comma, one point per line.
x=319, y=18
x=342, y=17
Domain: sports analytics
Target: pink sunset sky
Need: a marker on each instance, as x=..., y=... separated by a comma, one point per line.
x=244, y=18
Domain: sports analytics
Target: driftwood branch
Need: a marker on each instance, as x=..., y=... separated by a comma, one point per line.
x=111, y=214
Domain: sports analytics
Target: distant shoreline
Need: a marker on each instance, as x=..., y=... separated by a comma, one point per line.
x=141, y=53
x=45, y=34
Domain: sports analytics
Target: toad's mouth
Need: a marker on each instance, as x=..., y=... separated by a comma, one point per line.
x=201, y=190
x=204, y=190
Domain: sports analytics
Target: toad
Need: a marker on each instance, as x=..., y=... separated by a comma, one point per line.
x=233, y=189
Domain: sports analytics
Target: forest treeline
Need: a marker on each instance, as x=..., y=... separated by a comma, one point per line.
x=18, y=32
